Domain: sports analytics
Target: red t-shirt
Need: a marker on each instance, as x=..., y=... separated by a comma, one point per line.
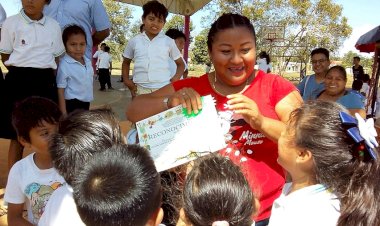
x=249, y=148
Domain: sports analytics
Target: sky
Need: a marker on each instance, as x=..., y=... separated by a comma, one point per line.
x=362, y=16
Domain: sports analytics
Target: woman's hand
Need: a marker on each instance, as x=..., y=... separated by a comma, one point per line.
x=188, y=98
x=246, y=107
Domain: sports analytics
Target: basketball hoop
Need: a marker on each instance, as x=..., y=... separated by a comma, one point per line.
x=273, y=34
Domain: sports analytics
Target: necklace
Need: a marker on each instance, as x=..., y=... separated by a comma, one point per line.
x=215, y=81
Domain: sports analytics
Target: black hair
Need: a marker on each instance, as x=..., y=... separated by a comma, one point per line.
x=175, y=33
x=119, y=186
x=103, y=44
x=32, y=112
x=142, y=28
x=48, y=2
x=339, y=68
x=72, y=29
x=357, y=58
x=321, y=51
x=357, y=85
x=366, y=78
x=155, y=7
x=106, y=49
x=318, y=128
x=79, y=136
x=265, y=55
x=216, y=190
x=226, y=21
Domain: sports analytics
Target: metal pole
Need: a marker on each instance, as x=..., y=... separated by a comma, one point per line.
x=187, y=34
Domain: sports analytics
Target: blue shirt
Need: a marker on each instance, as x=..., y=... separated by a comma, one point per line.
x=309, y=88
x=76, y=79
x=90, y=14
x=351, y=101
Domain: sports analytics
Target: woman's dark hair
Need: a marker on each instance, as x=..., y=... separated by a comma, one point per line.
x=226, y=21
x=355, y=181
x=72, y=29
x=155, y=7
x=119, y=186
x=80, y=135
x=265, y=55
x=216, y=190
x=32, y=112
x=340, y=69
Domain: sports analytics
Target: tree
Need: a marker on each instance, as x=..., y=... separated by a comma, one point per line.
x=308, y=24
x=366, y=62
x=119, y=15
x=177, y=22
x=199, y=53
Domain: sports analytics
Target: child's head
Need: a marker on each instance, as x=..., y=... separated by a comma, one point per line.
x=35, y=120
x=154, y=17
x=317, y=143
x=102, y=46
x=356, y=60
x=264, y=55
x=178, y=36
x=119, y=186
x=217, y=191
x=79, y=136
x=357, y=85
x=107, y=49
x=33, y=9
x=366, y=78
x=74, y=39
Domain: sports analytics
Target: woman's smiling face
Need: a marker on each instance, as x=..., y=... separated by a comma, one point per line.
x=233, y=54
x=335, y=82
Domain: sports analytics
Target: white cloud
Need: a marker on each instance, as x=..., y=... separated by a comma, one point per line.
x=349, y=44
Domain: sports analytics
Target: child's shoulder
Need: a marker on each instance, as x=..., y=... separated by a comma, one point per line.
x=23, y=164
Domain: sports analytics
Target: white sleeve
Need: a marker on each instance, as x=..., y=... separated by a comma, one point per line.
x=174, y=52
x=59, y=48
x=61, y=75
x=3, y=15
x=7, y=38
x=13, y=192
x=129, y=51
x=96, y=54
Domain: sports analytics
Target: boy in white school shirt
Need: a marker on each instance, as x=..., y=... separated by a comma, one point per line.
x=151, y=51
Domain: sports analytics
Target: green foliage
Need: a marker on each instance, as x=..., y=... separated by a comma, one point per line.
x=119, y=15
x=308, y=24
x=199, y=54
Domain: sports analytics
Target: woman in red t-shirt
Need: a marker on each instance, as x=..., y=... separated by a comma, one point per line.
x=255, y=104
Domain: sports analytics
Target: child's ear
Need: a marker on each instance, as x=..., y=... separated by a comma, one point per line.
x=24, y=143
x=156, y=218
x=304, y=156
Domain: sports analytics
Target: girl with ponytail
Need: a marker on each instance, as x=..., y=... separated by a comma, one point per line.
x=334, y=165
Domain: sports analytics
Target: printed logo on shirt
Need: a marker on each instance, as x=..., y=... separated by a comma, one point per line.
x=39, y=195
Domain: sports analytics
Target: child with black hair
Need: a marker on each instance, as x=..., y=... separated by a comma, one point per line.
x=119, y=186
x=334, y=165
x=216, y=193
x=180, y=39
x=33, y=179
x=79, y=137
x=30, y=46
x=151, y=51
x=105, y=69
x=75, y=73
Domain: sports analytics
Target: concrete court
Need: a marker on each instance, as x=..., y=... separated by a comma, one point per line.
x=117, y=99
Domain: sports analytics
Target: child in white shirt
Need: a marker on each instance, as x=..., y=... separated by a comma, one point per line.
x=32, y=180
x=334, y=169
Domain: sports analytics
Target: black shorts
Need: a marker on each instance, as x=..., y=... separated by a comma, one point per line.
x=20, y=83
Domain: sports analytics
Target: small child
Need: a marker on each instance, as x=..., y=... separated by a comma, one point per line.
x=151, y=51
x=216, y=193
x=105, y=69
x=356, y=87
x=335, y=174
x=180, y=40
x=75, y=73
x=79, y=137
x=30, y=46
x=119, y=186
x=33, y=179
